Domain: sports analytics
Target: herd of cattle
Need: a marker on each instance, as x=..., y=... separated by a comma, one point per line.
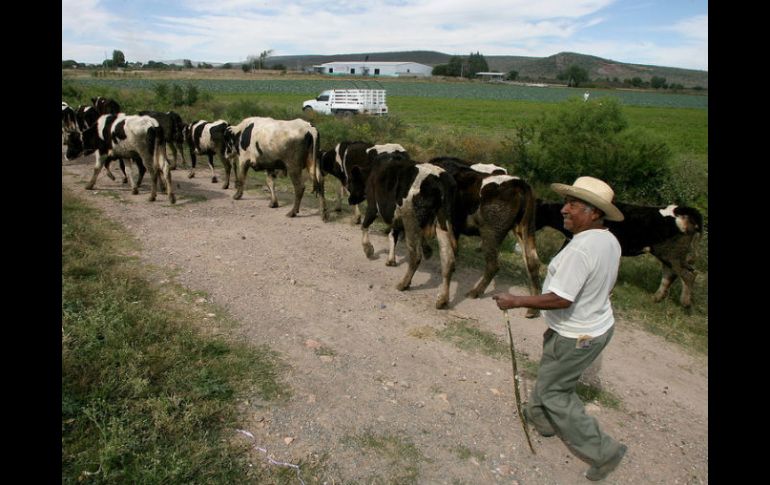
x=445, y=197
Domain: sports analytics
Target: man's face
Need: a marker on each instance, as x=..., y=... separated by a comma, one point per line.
x=578, y=216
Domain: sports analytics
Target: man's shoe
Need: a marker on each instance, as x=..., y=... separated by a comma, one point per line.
x=600, y=472
x=541, y=424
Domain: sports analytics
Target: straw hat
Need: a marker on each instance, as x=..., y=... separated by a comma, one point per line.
x=595, y=192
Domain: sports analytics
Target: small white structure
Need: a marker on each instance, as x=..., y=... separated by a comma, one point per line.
x=374, y=69
x=586, y=95
x=491, y=76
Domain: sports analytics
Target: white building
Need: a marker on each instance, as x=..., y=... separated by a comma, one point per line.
x=373, y=68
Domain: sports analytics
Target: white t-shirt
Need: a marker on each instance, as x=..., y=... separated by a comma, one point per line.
x=584, y=272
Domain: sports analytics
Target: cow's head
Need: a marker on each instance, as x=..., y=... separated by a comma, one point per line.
x=84, y=143
x=356, y=186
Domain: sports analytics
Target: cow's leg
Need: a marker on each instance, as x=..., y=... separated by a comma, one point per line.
x=98, y=164
x=129, y=175
x=122, y=166
x=321, y=199
x=142, y=170
x=107, y=170
x=270, y=182
x=154, y=173
x=447, y=254
x=688, y=280
x=340, y=194
x=240, y=178
x=211, y=167
x=665, y=283
x=299, y=190
x=531, y=263
x=172, y=166
x=164, y=174
x=395, y=231
x=227, y=165
x=490, y=246
x=371, y=215
x=413, y=236
x=193, y=161
x=181, y=154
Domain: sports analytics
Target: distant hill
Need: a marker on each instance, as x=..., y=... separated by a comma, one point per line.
x=536, y=68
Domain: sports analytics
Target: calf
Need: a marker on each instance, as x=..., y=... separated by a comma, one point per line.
x=491, y=206
x=173, y=127
x=207, y=138
x=138, y=138
x=346, y=155
x=671, y=234
x=277, y=145
x=414, y=197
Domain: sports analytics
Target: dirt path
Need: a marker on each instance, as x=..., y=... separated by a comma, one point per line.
x=360, y=364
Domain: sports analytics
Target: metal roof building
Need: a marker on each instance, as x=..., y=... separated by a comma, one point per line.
x=374, y=68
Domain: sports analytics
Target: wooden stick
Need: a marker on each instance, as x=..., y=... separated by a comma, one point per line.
x=516, y=382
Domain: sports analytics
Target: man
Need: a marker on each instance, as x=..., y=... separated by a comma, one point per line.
x=576, y=300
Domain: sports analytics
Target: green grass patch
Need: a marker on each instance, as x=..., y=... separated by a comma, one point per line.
x=146, y=398
x=473, y=339
x=465, y=453
x=400, y=457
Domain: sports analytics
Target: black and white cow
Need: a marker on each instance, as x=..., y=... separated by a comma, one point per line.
x=105, y=106
x=491, y=206
x=207, y=138
x=68, y=121
x=173, y=128
x=670, y=233
x=347, y=154
x=136, y=138
x=87, y=116
x=415, y=198
x=277, y=146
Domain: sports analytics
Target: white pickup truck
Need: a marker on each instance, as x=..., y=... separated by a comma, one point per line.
x=348, y=101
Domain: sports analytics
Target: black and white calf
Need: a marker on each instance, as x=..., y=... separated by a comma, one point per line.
x=346, y=155
x=491, y=206
x=415, y=198
x=277, y=146
x=173, y=128
x=207, y=138
x=136, y=138
x=670, y=233
x=68, y=121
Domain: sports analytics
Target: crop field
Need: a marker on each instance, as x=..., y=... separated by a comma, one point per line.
x=421, y=89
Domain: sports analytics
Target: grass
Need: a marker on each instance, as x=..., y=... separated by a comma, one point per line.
x=148, y=393
x=465, y=453
x=400, y=457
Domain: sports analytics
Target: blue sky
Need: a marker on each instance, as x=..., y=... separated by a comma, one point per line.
x=672, y=33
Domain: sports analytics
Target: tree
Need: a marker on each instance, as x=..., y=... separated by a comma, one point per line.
x=187, y=63
x=512, y=75
x=574, y=75
x=658, y=82
x=118, y=59
x=476, y=63
x=263, y=57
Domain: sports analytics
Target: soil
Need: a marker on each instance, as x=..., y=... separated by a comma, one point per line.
x=363, y=359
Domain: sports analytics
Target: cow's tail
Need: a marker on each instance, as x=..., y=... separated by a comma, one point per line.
x=313, y=145
x=446, y=212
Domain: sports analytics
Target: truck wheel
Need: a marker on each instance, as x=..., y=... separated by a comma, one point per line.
x=307, y=109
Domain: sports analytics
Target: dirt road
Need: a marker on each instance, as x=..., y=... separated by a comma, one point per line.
x=362, y=359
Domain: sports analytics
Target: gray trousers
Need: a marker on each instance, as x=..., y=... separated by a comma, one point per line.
x=554, y=396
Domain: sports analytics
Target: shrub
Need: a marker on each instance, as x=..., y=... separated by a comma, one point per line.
x=592, y=139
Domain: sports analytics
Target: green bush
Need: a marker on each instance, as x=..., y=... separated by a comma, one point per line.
x=593, y=139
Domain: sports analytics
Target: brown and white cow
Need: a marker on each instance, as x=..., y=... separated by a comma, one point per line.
x=670, y=233
x=277, y=146
x=413, y=198
x=348, y=154
x=491, y=206
x=136, y=138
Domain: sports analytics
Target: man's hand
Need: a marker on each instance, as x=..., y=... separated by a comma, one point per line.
x=506, y=301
